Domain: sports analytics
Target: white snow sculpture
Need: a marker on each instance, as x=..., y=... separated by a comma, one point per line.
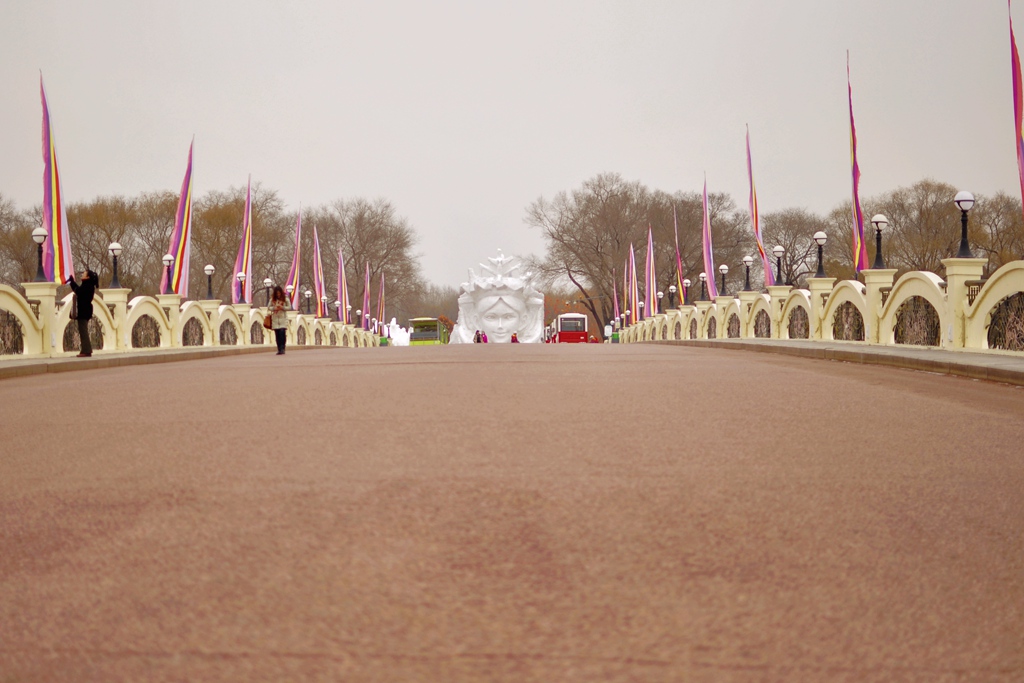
x=500, y=302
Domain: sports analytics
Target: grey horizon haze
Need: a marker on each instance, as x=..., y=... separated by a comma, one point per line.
x=463, y=113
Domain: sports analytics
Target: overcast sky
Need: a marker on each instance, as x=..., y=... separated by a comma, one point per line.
x=463, y=113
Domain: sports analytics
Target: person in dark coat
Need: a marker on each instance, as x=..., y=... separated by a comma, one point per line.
x=84, y=291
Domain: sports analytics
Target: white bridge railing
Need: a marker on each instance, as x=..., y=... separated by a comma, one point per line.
x=38, y=324
x=961, y=312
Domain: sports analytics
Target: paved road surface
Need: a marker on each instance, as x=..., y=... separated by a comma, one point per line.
x=511, y=513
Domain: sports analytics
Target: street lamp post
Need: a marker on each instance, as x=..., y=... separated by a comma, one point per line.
x=115, y=251
x=323, y=303
x=703, y=278
x=880, y=222
x=685, y=294
x=964, y=201
x=267, y=284
x=748, y=260
x=779, y=252
x=209, y=270
x=672, y=296
x=309, y=295
x=820, y=238
x=627, y=317
x=348, y=313
x=241, y=286
x=640, y=316
x=39, y=236
x=724, y=270
x=337, y=309
x=660, y=296
x=168, y=261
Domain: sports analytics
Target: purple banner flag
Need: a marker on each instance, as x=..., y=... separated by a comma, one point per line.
x=709, y=252
x=293, y=273
x=365, y=322
x=57, y=263
x=343, y=312
x=1018, y=104
x=243, y=264
x=380, y=303
x=860, y=248
x=755, y=220
x=650, y=280
x=181, y=238
x=634, y=288
x=679, y=260
x=319, y=290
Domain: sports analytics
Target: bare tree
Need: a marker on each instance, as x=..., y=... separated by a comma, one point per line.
x=793, y=229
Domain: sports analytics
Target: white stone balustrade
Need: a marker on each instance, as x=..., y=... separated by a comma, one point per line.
x=920, y=308
x=38, y=324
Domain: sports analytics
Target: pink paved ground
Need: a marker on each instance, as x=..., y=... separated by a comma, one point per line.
x=511, y=513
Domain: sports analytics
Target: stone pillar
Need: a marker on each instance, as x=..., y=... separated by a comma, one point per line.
x=46, y=294
x=118, y=298
x=747, y=300
x=704, y=308
x=685, y=313
x=293, y=330
x=210, y=308
x=242, y=310
x=722, y=301
x=777, y=295
x=958, y=272
x=820, y=287
x=171, y=304
x=874, y=281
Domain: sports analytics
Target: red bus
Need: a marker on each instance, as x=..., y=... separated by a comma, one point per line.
x=569, y=328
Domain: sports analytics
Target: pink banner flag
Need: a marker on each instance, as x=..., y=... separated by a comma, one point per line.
x=365, y=322
x=615, y=301
x=679, y=261
x=650, y=279
x=1018, y=104
x=343, y=311
x=181, y=238
x=634, y=288
x=57, y=263
x=860, y=247
x=243, y=264
x=626, y=286
x=319, y=289
x=380, y=303
x=293, y=273
x=709, y=252
x=755, y=220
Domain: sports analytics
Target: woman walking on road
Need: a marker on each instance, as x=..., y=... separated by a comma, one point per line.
x=84, y=292
x=279, y=318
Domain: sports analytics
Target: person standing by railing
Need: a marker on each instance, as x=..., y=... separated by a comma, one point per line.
x=279, y=308
x=82, y=312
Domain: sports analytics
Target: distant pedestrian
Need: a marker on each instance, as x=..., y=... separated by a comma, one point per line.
x=515, y=338
x=279, y=308
x=483, y=337
x=84, y=292
x=477, y=338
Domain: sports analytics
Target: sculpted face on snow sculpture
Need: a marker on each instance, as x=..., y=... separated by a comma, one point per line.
x=499, y=302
